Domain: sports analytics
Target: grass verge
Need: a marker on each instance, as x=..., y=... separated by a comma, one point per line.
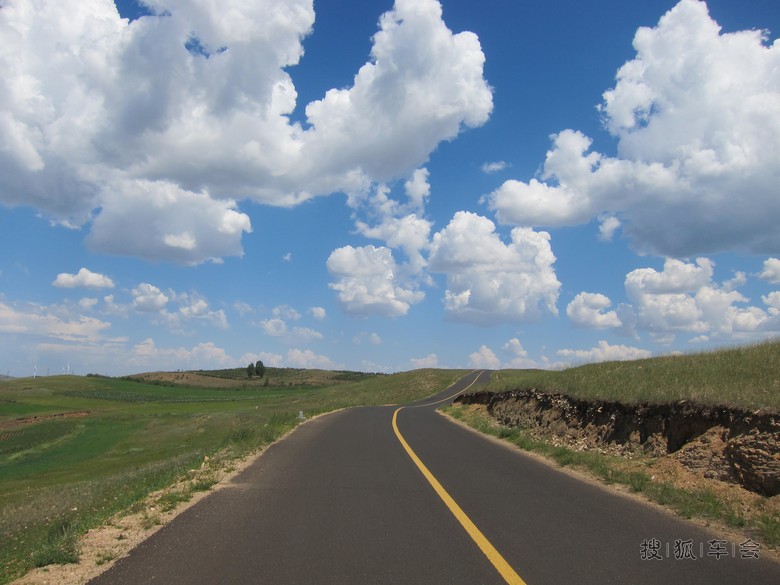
x=743, y=377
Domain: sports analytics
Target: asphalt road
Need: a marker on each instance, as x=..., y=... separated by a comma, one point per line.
x=341, y=501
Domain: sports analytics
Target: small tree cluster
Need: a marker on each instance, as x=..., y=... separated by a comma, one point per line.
x=257, y=369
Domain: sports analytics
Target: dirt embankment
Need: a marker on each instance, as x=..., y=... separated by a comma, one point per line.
x=721, y=443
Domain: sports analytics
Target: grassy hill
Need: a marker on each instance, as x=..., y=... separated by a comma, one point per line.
x=237, y=378
x=746, y=377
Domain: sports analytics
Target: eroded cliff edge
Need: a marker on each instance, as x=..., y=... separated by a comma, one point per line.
x=727, y=444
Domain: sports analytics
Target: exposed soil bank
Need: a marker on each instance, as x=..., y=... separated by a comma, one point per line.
x=722, y=443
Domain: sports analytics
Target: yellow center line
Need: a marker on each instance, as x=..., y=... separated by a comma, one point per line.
x=503, y=568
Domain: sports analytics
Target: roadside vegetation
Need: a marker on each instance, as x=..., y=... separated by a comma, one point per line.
x=745, y=377
x=75, y=451
x=748, y=514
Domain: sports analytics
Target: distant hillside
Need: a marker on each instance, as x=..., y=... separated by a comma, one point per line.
x=237, y=377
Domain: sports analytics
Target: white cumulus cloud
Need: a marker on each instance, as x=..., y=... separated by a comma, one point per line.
x=772, y=300
x=147, y=355
x=696, y=115
x=609, y=224
x=277, y=327
x=149, y=298
x=493, y=167
x=286, y=312
x=297, y=358
x=50, y=322
x=604, y=352
x=303, y=335
x=676, y=277
x=484, y=358
x=198, y=308
x=422, y=85
x=157, y=219
x=274, y=327
x=489, y=281
x=519, y=355
x=318, y=313
x=88, y=303
x=771, y=272
x=588, y=310
x=367, y=282
x=683, y=298
x=84, y=278
x=429, y=361
x=400, y=226
x=153, y=129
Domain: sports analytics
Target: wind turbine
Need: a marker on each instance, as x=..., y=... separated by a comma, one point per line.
x=35, y=370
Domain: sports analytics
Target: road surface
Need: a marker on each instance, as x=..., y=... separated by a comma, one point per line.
x=404, y=496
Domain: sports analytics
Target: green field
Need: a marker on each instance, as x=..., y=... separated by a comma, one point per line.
x=76, y=450
x=746, y=377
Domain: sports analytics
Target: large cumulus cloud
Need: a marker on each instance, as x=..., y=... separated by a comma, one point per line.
x=187, y=111
x=682, y=299
x=696, y=116
x=488, y=281
x=369, y=279
x=368, y=283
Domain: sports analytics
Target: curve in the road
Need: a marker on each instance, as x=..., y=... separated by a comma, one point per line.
x=339, y=503
x=495, y=558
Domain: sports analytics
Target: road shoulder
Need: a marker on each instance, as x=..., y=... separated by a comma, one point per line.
x=716, y=528
x=100, y=548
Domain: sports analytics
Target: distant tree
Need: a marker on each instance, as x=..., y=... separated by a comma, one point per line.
x=259, y=369
x=250, y=370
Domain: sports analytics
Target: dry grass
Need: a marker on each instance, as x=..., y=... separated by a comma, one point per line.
x=745, y=377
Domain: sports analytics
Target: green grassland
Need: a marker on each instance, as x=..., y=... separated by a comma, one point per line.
x=292, y=376
x=76, y=450
x=746, y=377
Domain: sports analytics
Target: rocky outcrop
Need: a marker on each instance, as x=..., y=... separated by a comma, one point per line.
x=718, y=442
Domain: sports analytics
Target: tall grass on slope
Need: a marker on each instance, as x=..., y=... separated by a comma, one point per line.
x=746, y=377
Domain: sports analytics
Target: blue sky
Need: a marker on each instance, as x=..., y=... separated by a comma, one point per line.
x=384, y=186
